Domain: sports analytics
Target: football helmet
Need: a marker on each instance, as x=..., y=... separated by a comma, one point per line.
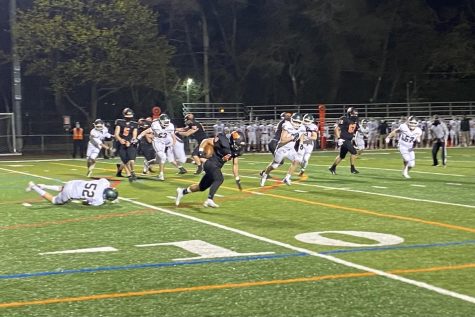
x=127, y=113
x=364, y=122
x=110, y=194
x=98, y=125
x=164, y=120
x=296, y=120
x=237, y=141
x=412, y=122
x=308, y=119
x=352, y=112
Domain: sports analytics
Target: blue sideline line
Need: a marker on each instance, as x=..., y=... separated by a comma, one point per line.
x=414, y=246
x=152, y=265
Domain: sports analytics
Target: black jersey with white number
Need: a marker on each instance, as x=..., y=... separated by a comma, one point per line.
x=199, y=135
x=221, y=149
x=348, y=128
x=126, y=128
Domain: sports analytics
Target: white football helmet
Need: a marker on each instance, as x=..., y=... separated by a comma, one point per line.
x=99, y=125
x=164, y=120
x=308, y=119
x=296, y=120
x=412, y=122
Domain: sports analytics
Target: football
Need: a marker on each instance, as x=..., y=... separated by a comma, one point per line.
x=208, y=150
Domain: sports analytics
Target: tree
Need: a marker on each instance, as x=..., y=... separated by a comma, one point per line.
x=103, y=46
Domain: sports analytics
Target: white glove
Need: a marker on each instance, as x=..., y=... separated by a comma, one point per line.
x=340, y=142
x=387, y=140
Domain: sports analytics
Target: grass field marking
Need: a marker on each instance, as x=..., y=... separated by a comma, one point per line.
x=367, y=269
x=85, y=250
x=80, y=219
x=382, y=169
x=374, y=213
x=152, y=265
x=225, y=286
x=303, y=250
x=368, y=193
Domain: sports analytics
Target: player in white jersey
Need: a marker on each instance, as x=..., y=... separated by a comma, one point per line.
x=95, y=144
x=309, y=131
x=361, y=134
x=94, y=192
x=251, y=130
x=218, y=127
x=409, y=133
x=163, y=137
x=286, y=149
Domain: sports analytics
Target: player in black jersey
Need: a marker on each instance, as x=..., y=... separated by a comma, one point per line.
x=194, y=129
x=224, y=149
x=344, y=132
x=145, y=144
x=126, y=136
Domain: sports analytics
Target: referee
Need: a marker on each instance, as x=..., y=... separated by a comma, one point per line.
x=440, y=134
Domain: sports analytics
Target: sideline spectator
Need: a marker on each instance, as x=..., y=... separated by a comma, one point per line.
x=78, y=140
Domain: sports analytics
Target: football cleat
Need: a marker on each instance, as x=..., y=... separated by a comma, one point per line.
x=354, y=171
x=210, y=203
x=287, y=181
x=263, y=179
x=179, y=195
x=302, y=171
x=30, y=186
x=405, y=174
x=160, y=177
x=332, y=170
x=199, y=169
x=182, y=170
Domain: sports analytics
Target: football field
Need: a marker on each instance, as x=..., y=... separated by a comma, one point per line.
x=370, y=244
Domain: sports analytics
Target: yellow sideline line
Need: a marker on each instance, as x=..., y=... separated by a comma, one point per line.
x=224, y=286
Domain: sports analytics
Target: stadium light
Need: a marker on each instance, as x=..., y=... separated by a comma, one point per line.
x=189, y=81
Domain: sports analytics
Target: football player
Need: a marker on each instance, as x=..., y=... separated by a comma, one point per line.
x=126, y=135
x=361, y=134
x=409, y=133
x=224, y=149
x=310, y=134
x=163, y=137
x=196, y=130
x=344, y=133
x=94, y=193
x=286, y=148
x=145, y=144
x=95, y=144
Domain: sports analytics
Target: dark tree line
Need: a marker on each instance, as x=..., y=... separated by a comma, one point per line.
x=89, y=54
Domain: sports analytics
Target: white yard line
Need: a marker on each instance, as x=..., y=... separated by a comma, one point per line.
x=370, y=193
x=419, y=284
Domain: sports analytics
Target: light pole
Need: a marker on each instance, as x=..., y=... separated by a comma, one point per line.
x=408, y=96
x=189, y=81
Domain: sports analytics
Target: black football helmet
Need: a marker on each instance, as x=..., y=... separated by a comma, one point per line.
x=351, y=112
x=110, y=194
x=237, y=141
x=128, y=113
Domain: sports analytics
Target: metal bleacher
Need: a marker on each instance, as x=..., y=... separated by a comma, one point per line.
x=209, y=113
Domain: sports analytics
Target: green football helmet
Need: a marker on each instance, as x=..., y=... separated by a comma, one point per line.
x=110, y=194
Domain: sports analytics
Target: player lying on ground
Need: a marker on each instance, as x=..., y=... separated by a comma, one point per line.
x=93, y=193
